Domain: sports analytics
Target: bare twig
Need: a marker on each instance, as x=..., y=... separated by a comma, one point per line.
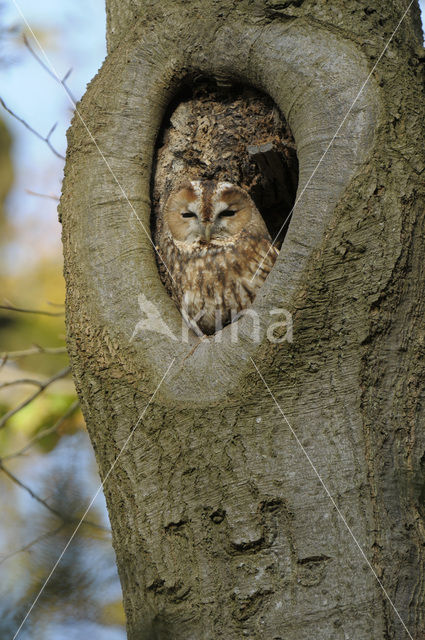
x=42, y=195
x=33, y=351
x=45, y=139
x=49, y=71
x=24, y=403
x=30, y=491
x=46, y=432
x=29, y=545
x=12, y=383
x=40, y=312
x=45, y=504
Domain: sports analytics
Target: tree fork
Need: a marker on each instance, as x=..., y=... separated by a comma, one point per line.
x=221, y=527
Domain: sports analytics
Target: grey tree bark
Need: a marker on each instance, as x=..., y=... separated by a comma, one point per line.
x=221, y=525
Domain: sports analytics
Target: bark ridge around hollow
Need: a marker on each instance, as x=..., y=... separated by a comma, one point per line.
x=220, y=525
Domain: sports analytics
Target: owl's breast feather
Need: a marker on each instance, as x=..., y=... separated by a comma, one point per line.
x=215, y=281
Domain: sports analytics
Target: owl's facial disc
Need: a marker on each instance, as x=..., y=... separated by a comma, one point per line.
x=208, y=211
x=231, y=212
x=185, y=225
x=182, y=215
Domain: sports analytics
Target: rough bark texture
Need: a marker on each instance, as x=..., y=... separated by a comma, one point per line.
x=221, y=527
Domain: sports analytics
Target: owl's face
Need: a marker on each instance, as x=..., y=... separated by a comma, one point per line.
x=204, y=211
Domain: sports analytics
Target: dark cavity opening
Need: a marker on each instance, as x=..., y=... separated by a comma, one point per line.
x=235, y=134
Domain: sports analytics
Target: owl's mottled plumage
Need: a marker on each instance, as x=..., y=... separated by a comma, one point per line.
x=213, y=240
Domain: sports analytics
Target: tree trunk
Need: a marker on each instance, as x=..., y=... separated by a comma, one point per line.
x=290, y=505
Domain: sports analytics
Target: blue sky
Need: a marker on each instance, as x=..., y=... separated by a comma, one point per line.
x=72, y=32
x=73, y=35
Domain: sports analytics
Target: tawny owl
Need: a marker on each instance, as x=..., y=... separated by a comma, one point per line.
x=217, y=249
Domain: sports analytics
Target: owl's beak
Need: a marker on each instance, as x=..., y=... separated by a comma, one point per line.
x=207, y=231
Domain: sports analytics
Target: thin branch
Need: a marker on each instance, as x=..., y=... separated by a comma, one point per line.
x=37, y=57
x=29, y=545
x=45, y=504
x=48, y=70
x=30, y=491
x=46, y=432
x=52, y=130
x=33, y=351
x=10, y=307
x=68, y=73
x=12, y=383
x=24, y=403
x=36, y=133
x=42, y=195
